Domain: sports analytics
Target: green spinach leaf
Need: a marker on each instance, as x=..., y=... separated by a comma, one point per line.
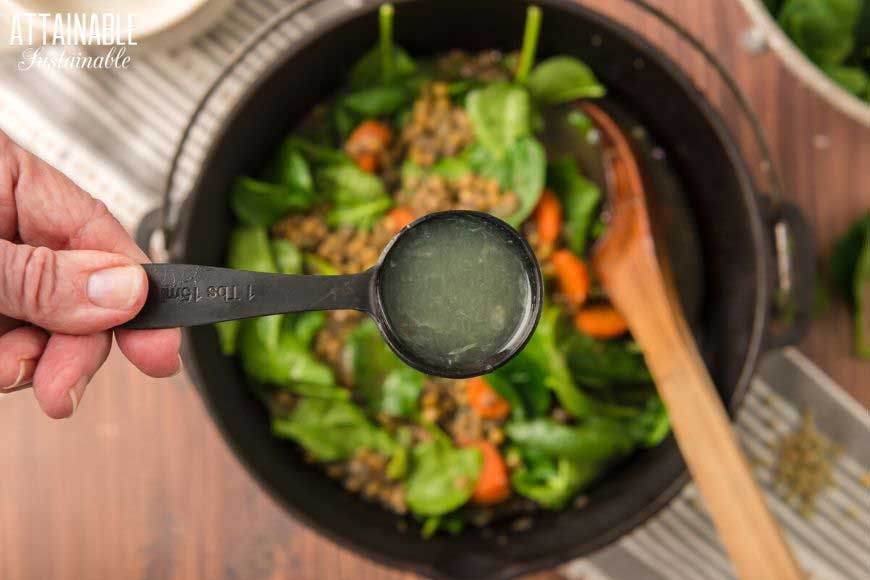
x=228, y=336
x=249, y=249
x=596, y=439
x=288, y=258
x=772, y=6
x=397, y=468
x=259, y=203
x=387, y=384
x=845, y=255
x=442, y=477
x=651, y=425
x=377, y=101
x=386, y=61
x=381, y=84
x=358, y=198
x=559, y=460
x=316, y=153
x=347, y=183
x=331, y=429
x=850, y=268
x=529, y=48
x=603, y=363
x=450, y=168
x=433, y=524
x=500, y=114
x=370, y=359
x=851, y=78
x=400, y=392
x=319, y=391
x=522, y=170
x=523, y=386
x=317, y=265
x=287, y=362
x=562, y=79
x=552, y=482
x=362, y=215
x=527, y=175
x=514, y=383
x=290, y=168
x=822, y=29
x=304, y=326
x=580, y=200
x=541, y=366
x=367, y=71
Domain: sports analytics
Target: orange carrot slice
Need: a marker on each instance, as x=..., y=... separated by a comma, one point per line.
x=493, y=485
x=573, y=276
x=368, y=162
x=399, y=217
x=485, y=400
x=548, y=217
x=601, y=321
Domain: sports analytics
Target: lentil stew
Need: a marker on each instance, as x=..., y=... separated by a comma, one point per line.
x=404, y=138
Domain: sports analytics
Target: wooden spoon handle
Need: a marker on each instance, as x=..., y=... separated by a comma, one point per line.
x=641, y=287
x=704, y=434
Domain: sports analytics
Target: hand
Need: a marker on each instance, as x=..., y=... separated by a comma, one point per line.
x=69, y=273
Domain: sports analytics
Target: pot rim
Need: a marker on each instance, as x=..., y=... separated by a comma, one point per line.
x=757, y=331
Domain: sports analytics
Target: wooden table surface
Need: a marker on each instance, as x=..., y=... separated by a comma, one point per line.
x=139, y=485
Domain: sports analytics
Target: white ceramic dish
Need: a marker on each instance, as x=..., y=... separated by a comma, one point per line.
x=767, y=33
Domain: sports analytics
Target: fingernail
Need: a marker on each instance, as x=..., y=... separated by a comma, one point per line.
x=75, y=401
x=74, y=394
x=116, y=288
x=180, y=368
x=24, y=378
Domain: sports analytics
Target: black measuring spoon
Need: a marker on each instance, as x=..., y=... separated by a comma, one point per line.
x=454, y=294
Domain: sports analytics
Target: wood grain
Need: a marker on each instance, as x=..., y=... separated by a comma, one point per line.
x=139, y=485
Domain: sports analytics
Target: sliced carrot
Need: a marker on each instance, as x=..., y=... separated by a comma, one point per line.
x=370, y=136
x=548, y=217
x=601, y=321
x=399, y=217
x=573, y=276
x=485, y=400
x=493, y=485
x=368, y=162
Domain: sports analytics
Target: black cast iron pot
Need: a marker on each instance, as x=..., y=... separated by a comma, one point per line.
x=727, y=222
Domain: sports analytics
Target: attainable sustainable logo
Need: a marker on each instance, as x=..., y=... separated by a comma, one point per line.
x=80, y=40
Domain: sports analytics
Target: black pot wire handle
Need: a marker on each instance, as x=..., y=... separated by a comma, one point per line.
x=793, y=271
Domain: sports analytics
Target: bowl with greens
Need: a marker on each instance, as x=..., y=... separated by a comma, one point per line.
x=383, y=114
x=825, y=42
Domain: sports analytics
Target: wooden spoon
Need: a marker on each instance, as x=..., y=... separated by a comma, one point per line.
x=640, y=284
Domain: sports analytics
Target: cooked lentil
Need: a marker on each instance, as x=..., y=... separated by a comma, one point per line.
x=486, y=66
x=437, y=128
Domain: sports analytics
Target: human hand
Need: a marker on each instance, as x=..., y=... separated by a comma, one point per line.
x=69, y=273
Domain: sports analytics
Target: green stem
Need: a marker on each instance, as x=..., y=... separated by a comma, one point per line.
x=530, y=43
x=385, y=19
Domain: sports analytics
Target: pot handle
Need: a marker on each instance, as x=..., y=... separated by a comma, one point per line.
x=793, y=271
x=150, y=238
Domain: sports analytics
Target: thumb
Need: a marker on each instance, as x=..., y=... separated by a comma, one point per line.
x=72, y=292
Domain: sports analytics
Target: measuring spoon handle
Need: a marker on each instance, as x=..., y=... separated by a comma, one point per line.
x=187, y=295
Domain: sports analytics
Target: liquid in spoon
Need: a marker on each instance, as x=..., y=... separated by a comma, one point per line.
x=456, y=292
